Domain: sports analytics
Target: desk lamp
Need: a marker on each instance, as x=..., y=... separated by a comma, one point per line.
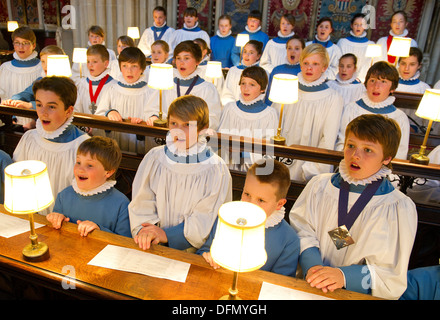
x=133, y=32
x=242, y=39
x=239, y=243
x=214, y=70
x=80, y=56
x=399, y=48
x=161, y=78
x=58, y=65
x=12, y=25
x=373, y=51
x=283, y=90
x=429, y=108
x=28, y=190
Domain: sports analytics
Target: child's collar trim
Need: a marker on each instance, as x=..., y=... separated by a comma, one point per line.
x=50, y=135
x=343, y=170
x=87, y=193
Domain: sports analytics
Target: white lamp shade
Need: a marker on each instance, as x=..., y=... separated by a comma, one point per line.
x=373, y=50
x=161, y=76
x=239, y=243
x=133, y=32
x=79, y=55
x=214, y=69
x=12, y=25
x=242, y=39
x=27, y=187
x=58, y=65
x=284, y=89
x=400, y=47
x=429, y=107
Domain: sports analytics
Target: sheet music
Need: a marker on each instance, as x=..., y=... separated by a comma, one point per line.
x=271, y=291
x=131, y=260
x=11, y=226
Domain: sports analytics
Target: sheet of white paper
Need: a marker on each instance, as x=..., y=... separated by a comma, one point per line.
x=11, y=226
x=131, y=260
x=271, y=291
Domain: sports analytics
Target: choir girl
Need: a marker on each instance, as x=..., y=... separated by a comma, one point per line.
x=223, y=42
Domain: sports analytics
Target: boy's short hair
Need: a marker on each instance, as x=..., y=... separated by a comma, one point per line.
x=161, y=9
x=416, y=52
x=191, y=47
x=279, y=176
x=296, y=37
x=357, y=15
x=63, y=87
x=258, y=74
x=96, y=30
x=100, y=50
x=289, y=17
x=25, y=33
x=324, y=19
x=255, y=14
x=350, y=55
x=383, y=70
x=190, y=11
x=105, y=150
x=190, y=108
x=315, y=48
x=133, y=55
x=377, y=128
x=126, y=40
x=163, y=44
x=258, y=45
x=51, y=49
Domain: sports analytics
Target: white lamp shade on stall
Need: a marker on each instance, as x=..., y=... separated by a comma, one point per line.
x=242, y=39
x=214, y=70
x=58, y=65
x=239, y=243
x=79, y=55
x=27, y=187
x=161, y=76
x=400, y=47
x=12, y=26
x=373, y=51
x=133, y=32
x=284, y=89
x=429, y=107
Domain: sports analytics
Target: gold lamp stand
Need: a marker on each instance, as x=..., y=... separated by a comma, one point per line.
x=233, y=291
x=161, y=123
x=278, y=139
x=421, y=158
x=35, y=251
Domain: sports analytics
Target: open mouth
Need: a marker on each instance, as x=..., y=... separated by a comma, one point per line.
x=82, y=178
x=45, y=122
x=354, y=166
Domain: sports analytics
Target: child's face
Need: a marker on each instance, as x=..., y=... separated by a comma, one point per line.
x=378, y=89
x=89, y=172
x=312, y=67
x=224, y=27
x=158, y=55
x=261, y=194
x=184, y=133
x=186, y=63
x=250, y=89
x=285, y=27
x=358, y=27
x=121, y=47
x=250, y=55
x=363, y=158
x=408, y=67
x=159, y=18
x=95, y=39
x=398, y=24
x=23, y=47
x=50, y=110
x=253, y=24
x=324, y=30
x=190, y=21
x=43, y=59
x=96, y=65
x=294, y=50
x=346, y=68
x=131, y=71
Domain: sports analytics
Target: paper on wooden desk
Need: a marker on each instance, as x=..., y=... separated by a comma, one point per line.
x=131, y=260
x=11, y=226
x=271, y=291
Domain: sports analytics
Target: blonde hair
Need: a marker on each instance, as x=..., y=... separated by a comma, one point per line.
x=315, y=48
x=190, y=108
x=51, y=49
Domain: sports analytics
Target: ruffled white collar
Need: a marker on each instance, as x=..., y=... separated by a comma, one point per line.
x=415, y=77
x=275, y=218
x=52, y=134
x=33, y=55
x=87, y=193
x=164, y=24
x=404, y=33
x=328, y=39
x=363, y=35
x=288, y=36
x=195, y=149
x=224, y=36
x=247, y=29
x=188, y=77
x=254, y=64
x=382, y=173
x=100, y=77
x=143, y=78
x=349, y=81
x=195, y=26
x=378, y=105
x=315, y=83
x=248, y=103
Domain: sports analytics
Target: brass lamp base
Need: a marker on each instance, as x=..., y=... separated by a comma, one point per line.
x=36, y=253
x=278, y=140
x=161, y=123
x=419, y=159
